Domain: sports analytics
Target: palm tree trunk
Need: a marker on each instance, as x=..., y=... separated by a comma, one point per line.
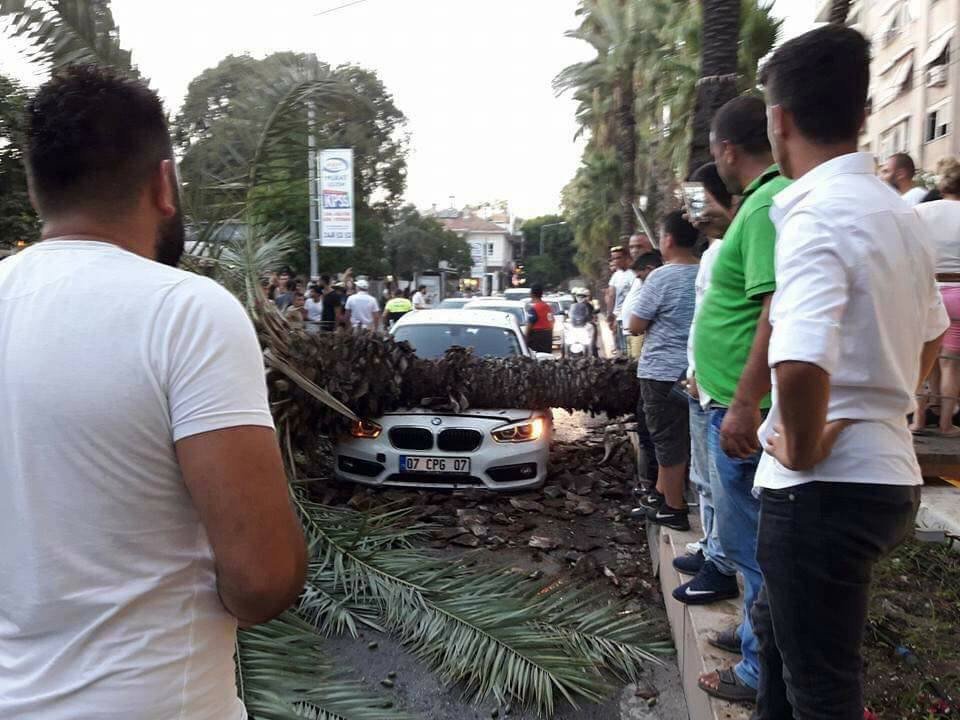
x=718, y=72
x=838, y=11
x=627, y=150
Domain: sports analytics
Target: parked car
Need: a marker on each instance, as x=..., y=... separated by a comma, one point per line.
x=516, y=308
x=516, y=294
x=501, y=449
x=452, y=303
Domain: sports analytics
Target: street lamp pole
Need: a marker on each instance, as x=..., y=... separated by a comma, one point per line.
x=542, y=227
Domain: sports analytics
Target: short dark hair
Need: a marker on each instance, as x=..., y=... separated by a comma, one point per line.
x=325, y=279
x=712, y=182
x=683, y=233
x=537, y=291
x=650, y=259
x=743, y=122
x=902, y=161
x=422, y=287
x=291, y=285
x=822, y=78
x=94, y=138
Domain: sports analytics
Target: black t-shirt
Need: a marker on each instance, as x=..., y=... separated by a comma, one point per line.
x=331, y=301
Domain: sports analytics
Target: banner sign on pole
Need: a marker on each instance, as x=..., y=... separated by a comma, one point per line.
x=336, y=197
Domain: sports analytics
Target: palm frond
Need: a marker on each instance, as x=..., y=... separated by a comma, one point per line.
x=493, y=633
x=283, y=673
x=64, y=32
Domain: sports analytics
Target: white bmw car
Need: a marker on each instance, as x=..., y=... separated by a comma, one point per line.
x=502, y=449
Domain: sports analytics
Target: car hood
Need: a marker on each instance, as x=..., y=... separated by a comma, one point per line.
x=507, y=415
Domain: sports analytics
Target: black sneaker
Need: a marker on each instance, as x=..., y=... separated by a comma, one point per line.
x=669, y=517
x=651, y=500
x=709, y=586
x=690, y=563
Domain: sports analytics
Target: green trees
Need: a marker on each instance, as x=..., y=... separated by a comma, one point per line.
x=658, y=44
x=416, y=243
x=556, y=263
x=217, y=131
x=18, y=221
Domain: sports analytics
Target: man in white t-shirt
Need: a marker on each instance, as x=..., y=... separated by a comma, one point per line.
x=144, y=510
x=362, y=308
x=899, y=170
x=314, y=304
x=621, y=279
x=856, y=320
x=419, y=299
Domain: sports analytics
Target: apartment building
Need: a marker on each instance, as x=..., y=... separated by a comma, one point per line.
x=914, y=77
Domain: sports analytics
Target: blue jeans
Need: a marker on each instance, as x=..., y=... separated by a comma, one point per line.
x=737, y=520
x=620, y=340
x=703, y=475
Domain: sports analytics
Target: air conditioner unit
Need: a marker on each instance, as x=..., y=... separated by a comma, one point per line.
x=937, y=76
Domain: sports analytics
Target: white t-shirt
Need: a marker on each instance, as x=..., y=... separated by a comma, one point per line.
x=419, y=301
x=314, y=309
x=108, y=599
x=362, y=306
x=942, y=218
x=855, y=296
x=704, y=275
x=631, y=299
x=620, y=281
x=914, y=196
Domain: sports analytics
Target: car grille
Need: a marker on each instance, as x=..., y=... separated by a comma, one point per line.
x=459, y=440
x=408, y=438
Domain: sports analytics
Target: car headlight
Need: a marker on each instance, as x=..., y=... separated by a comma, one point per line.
x=365, y=430
x=525, y=431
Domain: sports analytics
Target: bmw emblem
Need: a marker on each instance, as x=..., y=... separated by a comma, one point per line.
x=436, y=421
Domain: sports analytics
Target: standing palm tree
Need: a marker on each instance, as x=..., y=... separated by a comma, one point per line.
x=838, y=11
x=717, y=83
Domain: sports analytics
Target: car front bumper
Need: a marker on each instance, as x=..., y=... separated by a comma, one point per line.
x=493, y=465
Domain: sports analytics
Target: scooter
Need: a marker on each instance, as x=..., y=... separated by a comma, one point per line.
x=579, y=339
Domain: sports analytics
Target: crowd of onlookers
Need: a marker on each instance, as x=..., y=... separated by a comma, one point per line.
x=345, y=302
x=781, y=333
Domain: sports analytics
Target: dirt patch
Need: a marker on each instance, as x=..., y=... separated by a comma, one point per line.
x=912, y=651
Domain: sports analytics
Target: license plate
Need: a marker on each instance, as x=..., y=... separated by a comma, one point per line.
x=427, y=464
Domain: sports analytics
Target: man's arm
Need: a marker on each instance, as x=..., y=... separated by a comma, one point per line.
x=738, y=433
x=803, y=391
x=638, y=325
x=376, y=319
x=644, y=307
x=237, y=482
x=609, y=299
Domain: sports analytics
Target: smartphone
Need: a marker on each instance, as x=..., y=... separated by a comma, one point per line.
x=694, y=200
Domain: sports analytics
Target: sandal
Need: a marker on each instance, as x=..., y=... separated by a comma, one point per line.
x=726, y=641
x=731, y=687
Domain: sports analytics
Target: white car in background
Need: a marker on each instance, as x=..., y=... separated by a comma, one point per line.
x=501, y=449
x=515, y=308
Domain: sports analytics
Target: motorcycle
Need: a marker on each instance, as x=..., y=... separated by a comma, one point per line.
x=579, y=339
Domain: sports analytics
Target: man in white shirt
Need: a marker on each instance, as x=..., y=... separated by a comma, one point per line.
x=314, y=305
x=362, y=309
x=419, y=299
x=856, y=319
x=621, y=279
x=144, y=510
x=899, y=171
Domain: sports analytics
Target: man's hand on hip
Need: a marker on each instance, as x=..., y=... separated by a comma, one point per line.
x=738, y=431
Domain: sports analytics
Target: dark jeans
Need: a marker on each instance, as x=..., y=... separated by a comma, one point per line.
x=649, y=469
x=817, y=546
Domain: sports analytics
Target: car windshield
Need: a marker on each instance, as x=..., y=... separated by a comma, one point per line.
x=565, y=305
x=519, y=313
x=432, y=341
x=453, y=303
x=554, y=306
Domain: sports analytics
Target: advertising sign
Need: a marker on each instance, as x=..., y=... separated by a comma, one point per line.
x=336, y=197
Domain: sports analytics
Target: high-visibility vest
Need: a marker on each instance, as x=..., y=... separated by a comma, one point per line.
x=398, y=305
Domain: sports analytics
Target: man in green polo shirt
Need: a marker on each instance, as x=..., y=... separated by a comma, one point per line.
x=730, y=355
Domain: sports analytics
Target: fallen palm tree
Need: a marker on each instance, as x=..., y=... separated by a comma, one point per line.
x=321, y=382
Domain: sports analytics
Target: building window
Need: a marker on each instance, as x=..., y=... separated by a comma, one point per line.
x=938, y=123
x=895, y=139
x=489, y=249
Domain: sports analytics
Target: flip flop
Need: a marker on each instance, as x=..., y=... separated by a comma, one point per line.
x=726, y=641
x=731, y=688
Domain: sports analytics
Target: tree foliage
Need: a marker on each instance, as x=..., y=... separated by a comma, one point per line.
x=662, y=41
x=556, y=264
x=218, y=128
x=415, y=243
x=18, y=221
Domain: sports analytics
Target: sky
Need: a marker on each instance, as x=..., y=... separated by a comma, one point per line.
x=473, y=78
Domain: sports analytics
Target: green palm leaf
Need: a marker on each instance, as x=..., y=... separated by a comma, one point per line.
x=64, y=32
x=283, y=673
